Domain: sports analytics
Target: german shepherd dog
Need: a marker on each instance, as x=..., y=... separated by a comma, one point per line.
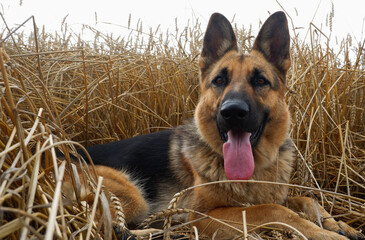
x=239, y=132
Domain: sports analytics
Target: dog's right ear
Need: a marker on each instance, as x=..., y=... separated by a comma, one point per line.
x=219, y=39
x=273, y=41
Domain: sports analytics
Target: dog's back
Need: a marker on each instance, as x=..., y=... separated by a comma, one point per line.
x=145, y=158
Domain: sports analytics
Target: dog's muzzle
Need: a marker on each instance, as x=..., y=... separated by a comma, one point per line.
x=237, y=115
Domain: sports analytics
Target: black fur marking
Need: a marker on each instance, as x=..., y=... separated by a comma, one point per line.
x=222, y=79
x=242, y=57
x=259, y=80
x=145, y=156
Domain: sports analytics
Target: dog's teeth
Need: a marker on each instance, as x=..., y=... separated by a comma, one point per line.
x=253, y=135
x=225, y=136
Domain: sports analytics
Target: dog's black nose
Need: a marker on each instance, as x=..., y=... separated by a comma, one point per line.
x=234, y=110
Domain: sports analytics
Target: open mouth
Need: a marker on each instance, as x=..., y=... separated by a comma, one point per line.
x=239, y=162
x=255, y=136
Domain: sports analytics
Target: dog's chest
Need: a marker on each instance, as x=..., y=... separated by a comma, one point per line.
x=269, y=187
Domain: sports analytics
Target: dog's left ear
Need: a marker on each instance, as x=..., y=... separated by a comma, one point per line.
x=219, y=38
x=273, y=41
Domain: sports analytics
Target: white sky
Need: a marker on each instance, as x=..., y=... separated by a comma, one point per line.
x=349, y=15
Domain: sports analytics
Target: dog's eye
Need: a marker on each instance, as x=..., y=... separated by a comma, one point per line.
x=260, y=81
x=219, y=81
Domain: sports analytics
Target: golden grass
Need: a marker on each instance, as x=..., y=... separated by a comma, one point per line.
x=56, y=92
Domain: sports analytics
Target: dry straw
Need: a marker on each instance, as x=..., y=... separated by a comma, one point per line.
x=59, y=92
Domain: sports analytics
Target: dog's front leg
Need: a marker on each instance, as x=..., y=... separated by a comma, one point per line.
x=315, y=212
x=256, y=216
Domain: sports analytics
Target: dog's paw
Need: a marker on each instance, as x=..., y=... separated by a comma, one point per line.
x=343, y=229
x=123, y=234
x=350, y=232
x=325, y=234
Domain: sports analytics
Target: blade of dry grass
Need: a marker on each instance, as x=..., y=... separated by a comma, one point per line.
x=115, y=88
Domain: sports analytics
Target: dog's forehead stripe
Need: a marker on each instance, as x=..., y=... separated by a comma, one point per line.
x=251, y=65
x=242, y=57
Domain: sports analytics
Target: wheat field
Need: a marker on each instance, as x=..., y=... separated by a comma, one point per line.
x=59, y=91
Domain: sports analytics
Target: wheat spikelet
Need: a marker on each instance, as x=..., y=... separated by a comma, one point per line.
x=146, y=82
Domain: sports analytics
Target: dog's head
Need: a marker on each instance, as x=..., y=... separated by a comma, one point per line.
x=242, y=113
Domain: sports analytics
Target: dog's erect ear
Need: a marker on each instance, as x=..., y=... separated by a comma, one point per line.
x=273, y=41
x=218, y=40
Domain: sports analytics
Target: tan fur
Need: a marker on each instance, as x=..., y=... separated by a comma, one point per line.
x=226, y=201
x=134, y=206
x=195, y=149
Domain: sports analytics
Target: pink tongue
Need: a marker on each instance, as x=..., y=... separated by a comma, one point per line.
x=238, y=159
